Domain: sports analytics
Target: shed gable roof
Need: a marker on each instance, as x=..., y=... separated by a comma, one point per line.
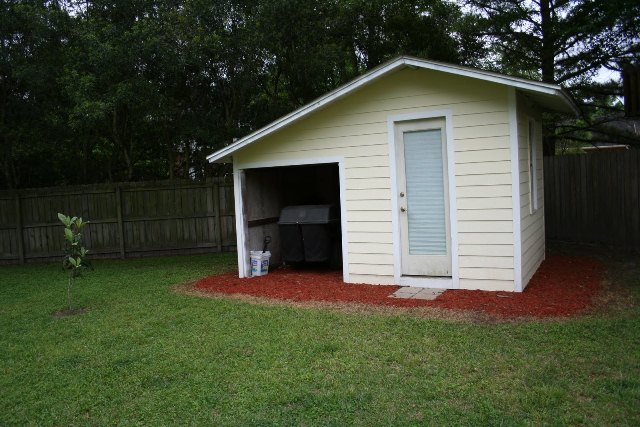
x=549, y=96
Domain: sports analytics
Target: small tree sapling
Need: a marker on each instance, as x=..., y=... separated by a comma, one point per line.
x=75, y=255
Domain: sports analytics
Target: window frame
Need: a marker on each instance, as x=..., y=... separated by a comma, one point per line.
x=532, y=151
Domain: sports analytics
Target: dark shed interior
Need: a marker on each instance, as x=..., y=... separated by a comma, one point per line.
x=268, y=190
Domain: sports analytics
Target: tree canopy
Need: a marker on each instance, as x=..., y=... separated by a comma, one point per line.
x=566, y=42
x=100, y=90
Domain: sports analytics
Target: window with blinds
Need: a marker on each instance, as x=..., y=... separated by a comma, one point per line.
x=425, y=192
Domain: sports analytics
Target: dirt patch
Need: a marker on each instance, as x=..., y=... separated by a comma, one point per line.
x=617, y=297
x=346, y=307
x=564, y=286
x=69, y=312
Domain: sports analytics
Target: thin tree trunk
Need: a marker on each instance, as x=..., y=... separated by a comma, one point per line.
x=7, y=174
x=114, y=131
x=69, y=291
x=7, y=163
x=170, y=154
x=85, y=159
x=171, y=160
x=118, y=130
x=127, y=158
x=187, y=160
x=109, y=170
x=547, y=64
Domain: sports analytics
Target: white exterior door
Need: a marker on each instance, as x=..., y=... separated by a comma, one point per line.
x=423, y=203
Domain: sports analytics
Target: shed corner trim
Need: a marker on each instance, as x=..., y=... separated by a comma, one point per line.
x=515, y=189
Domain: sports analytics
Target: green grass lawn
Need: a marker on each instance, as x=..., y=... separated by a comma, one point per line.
x=146, y=355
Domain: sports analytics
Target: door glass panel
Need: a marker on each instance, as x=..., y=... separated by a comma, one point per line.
x=425, y=192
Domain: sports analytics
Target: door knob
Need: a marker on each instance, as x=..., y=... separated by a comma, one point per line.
x=402, y=209
x=401, y=194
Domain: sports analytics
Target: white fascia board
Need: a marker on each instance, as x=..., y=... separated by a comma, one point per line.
x=517, y=82
x=523, y=84
x=559, y=101
x=569, y=101
x=484, y=75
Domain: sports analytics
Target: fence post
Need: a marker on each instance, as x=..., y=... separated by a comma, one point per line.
x=19, y=237
x=216, y=212
x=120, y=223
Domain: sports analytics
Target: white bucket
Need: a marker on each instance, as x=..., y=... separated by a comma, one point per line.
x=259, y=263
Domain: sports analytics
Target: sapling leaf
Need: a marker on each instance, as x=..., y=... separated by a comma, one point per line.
x=64, y=219
x=68, y=234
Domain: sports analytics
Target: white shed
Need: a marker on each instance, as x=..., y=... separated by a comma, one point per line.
x=436, y=168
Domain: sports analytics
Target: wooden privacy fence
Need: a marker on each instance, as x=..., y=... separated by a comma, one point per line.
x=593, y=198
x=126, y=220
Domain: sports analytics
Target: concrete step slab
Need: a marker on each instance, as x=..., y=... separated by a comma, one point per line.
x=408, y=292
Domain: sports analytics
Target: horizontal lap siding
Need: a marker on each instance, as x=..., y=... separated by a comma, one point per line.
x=483, y=179
x=486, y=179
x=371, y=279
x=369, y=194
x=357, y=258
x=531, y=225
x=372, y=237
x=485, y=208
x=369, y=226
x=356, y=128
x=484, y=261
x=370, y=268
x=487, y=285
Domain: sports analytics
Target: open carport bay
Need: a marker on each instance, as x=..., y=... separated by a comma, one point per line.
x=268, y=190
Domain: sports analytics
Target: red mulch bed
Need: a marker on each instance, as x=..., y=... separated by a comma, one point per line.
x=563, y=286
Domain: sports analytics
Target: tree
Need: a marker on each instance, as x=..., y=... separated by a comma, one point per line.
x=387, y=28
x=564, y=42
x=104, y=78
x=32, y=107
x=75, y=255
x=146, y=89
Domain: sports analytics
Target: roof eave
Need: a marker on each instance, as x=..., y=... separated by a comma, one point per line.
x=555, y=100
x=224, y=155
x=572, y=104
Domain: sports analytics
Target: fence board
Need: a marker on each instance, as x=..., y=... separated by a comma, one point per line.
x=594, y=198
x=126, y=219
